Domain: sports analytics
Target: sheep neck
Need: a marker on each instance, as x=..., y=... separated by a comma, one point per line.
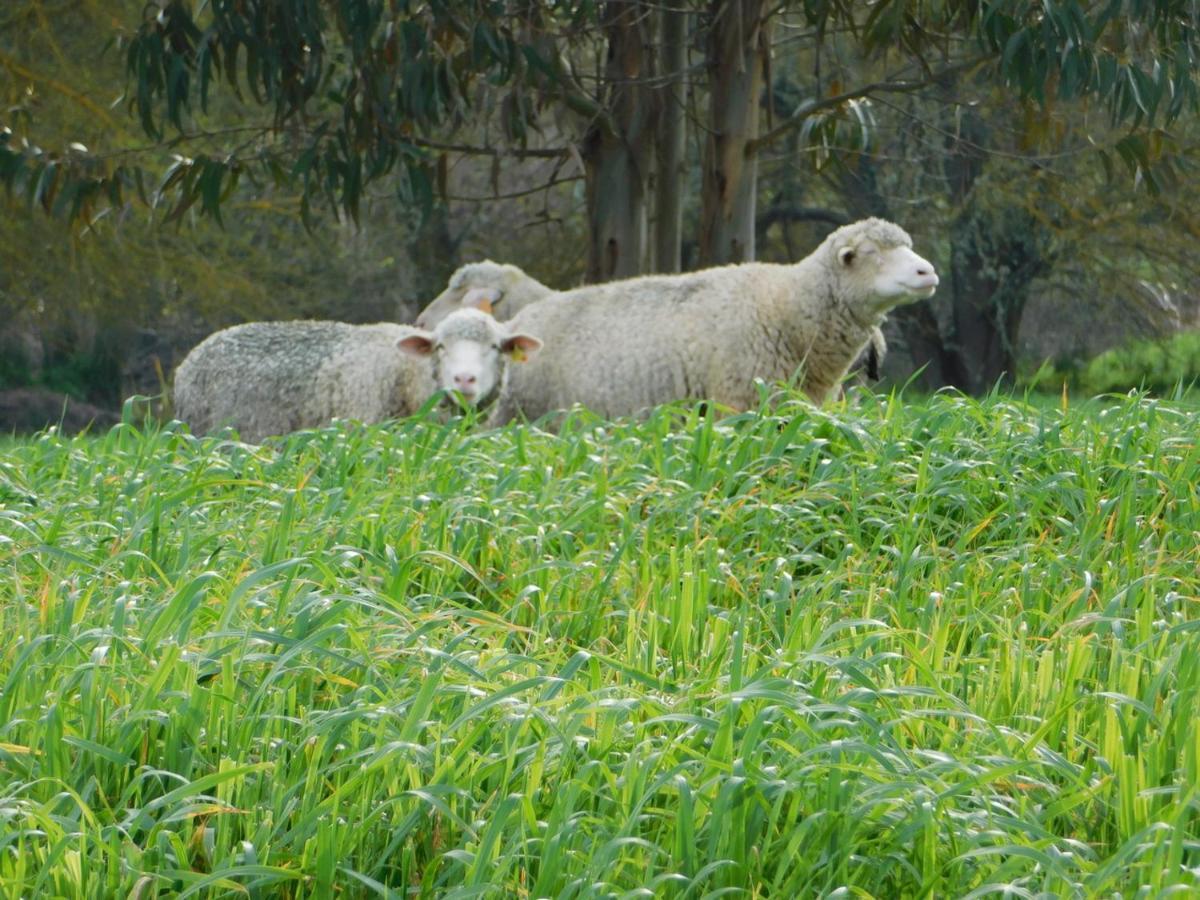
x=847, y=312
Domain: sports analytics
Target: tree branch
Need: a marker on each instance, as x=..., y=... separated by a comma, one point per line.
x=514, y=195
x=67, y=91
x=578, y=99
x=468, y=150
x=784, y=213
x=796, y=119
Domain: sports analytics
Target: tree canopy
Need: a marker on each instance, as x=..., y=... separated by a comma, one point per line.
x=335, y=95
x=762, y=113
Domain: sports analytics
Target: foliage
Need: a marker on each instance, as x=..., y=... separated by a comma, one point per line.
x=354, y=92
x=128, y=292
x=1016, y=209
x=105, y=306
x=916, y=648
x=118, y=288
x=364, y=115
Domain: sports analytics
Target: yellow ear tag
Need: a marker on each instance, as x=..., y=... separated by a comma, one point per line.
x=518, y=353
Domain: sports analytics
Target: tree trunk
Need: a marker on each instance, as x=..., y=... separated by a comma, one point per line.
x=616, y=207
x=617, y=152
x=995, y=257
x=738, y=43
x=433, y=251
x=921, y=339
x=668, y=185
x=996, y=252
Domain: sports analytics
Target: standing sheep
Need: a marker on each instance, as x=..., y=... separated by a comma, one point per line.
x=627, y=345
x=504, y=290
x=267, y=378
x=504, y=287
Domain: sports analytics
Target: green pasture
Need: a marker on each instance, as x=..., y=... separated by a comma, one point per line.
x=911, y=648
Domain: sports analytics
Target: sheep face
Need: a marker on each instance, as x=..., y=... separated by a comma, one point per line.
x=470, y=286
x=470, y=352
x=892, y=275
x=876, y=267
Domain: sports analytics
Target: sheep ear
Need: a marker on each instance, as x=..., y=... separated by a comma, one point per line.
x=419, y=343
x=481, y=298
x=846, y=256
x=520, y=346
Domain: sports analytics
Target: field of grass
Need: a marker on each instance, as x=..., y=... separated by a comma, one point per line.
x=921, y=648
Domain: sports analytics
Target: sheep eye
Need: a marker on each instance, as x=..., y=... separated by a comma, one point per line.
x=846, y=256
x=496, y=347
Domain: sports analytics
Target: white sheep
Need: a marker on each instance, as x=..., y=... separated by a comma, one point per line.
x=503, y=287
x=504, y=290
x=266, y=378
x=627, y=345
x=469, y=352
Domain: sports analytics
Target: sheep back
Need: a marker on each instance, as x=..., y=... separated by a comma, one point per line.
x=627, y=345
x=267, y=378
x=515, y=290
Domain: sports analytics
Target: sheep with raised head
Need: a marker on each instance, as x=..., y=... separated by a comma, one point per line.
x=503, y=287
x=267, y=378
x=627, y=345
x=504, y=290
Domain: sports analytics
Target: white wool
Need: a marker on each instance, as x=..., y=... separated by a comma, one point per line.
x=266, y=378
x=509, y=291
x=627, y=345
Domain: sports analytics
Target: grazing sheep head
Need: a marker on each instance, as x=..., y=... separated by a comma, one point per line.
x=485, y=280
x=876, y=268
x=470, y=352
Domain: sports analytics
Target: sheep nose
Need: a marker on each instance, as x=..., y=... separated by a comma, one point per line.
x=464, y=383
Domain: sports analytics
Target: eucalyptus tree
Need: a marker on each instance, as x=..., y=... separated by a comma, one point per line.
x=1135, y=59
x=973, y=74
x=336, y=96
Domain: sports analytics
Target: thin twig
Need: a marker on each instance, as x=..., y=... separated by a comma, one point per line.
x=796, y=119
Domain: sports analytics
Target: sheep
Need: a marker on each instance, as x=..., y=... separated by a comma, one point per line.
x=470, y=351
x=627, y=345
x=486, y=284
x=266, y=378
x=504, y=287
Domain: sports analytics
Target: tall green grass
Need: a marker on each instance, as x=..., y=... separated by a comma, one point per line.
x=914, y=649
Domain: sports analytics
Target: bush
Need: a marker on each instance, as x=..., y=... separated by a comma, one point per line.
x=1158, y=366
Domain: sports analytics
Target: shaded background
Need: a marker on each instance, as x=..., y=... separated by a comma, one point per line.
x=160, y=186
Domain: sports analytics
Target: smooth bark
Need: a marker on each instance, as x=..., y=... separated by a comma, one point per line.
x=618, y=150
x=669, y=173
x=738, y=44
